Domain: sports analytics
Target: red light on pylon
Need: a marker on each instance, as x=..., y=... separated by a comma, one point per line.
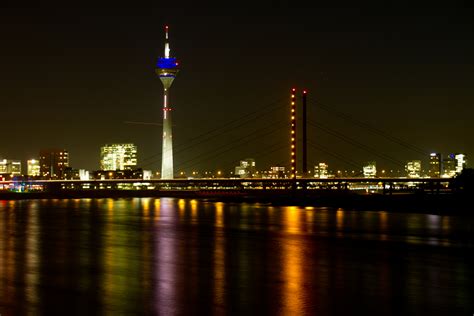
x=304, y=91
x=293, y=89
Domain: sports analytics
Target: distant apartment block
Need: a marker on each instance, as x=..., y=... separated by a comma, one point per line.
x=10, y=167
x=370, y=170
x=276, y=172
x=413, y=169
x=449, y=167
x=460, y=162
x=33, y=168
x=321, y=171
x=53, y=163
x=246, y=169
x=434, y=170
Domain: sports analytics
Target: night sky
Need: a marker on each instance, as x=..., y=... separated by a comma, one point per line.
x=71, y=77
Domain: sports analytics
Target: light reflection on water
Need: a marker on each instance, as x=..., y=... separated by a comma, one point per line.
x=292, y=252
x=219, y=258
x=180, y=256
x=32, y=256
x=165, y=265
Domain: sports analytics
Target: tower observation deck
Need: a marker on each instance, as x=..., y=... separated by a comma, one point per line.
x=167, y=69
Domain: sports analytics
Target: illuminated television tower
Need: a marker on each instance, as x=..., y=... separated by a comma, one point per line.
x=167, y=68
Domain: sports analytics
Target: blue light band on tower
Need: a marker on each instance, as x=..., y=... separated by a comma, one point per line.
x=167, y=63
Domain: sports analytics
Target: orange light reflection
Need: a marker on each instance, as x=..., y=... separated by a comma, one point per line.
x=293, y=262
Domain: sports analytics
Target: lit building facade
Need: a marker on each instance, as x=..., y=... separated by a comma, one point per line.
x=10, y=167
x=147, y=174
x=460, y=162
x=246, y=169
x=434, y=170
x=84, y=174
x=167, y=69
x=370, y=170
x=118, y=174
x=449, y=167
x=118, y=157
x=413, y=169
x=53, y=163
x=321, y=171
x=453, y=165
x=276, y=172
x=33, y=168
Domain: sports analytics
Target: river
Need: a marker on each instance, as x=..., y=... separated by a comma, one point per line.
x=182, y=257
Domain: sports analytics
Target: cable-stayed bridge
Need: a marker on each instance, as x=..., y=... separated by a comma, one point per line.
x=263, y=134
x=224, y=187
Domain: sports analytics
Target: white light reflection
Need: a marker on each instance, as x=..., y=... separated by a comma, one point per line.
x=165, y=263
x=32, y=255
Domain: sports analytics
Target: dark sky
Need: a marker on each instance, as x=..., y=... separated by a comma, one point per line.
x=72, y=75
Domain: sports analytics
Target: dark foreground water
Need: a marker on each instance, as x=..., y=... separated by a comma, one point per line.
x=171, y=256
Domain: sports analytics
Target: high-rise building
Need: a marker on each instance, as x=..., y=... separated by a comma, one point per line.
x=53, y=163
x=118, y=157
x=453, y=165
x=33, y=166
x=10, y=167
x=460, y=162
x=370, y=170
x=434, y=170
x=167, y=69
x=3, y=166
x=449, y=167
x=413, y=169
x=246, y=169
x=321, y=171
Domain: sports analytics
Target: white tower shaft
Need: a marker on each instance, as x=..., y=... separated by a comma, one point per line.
x=167, y=149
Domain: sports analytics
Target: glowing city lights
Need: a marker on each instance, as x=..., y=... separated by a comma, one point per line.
x=293, y=134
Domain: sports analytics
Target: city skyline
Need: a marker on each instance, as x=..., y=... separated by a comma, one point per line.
x=410, y=77
x=124, y=157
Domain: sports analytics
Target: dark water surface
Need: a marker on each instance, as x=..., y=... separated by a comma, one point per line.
x=188, y=257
